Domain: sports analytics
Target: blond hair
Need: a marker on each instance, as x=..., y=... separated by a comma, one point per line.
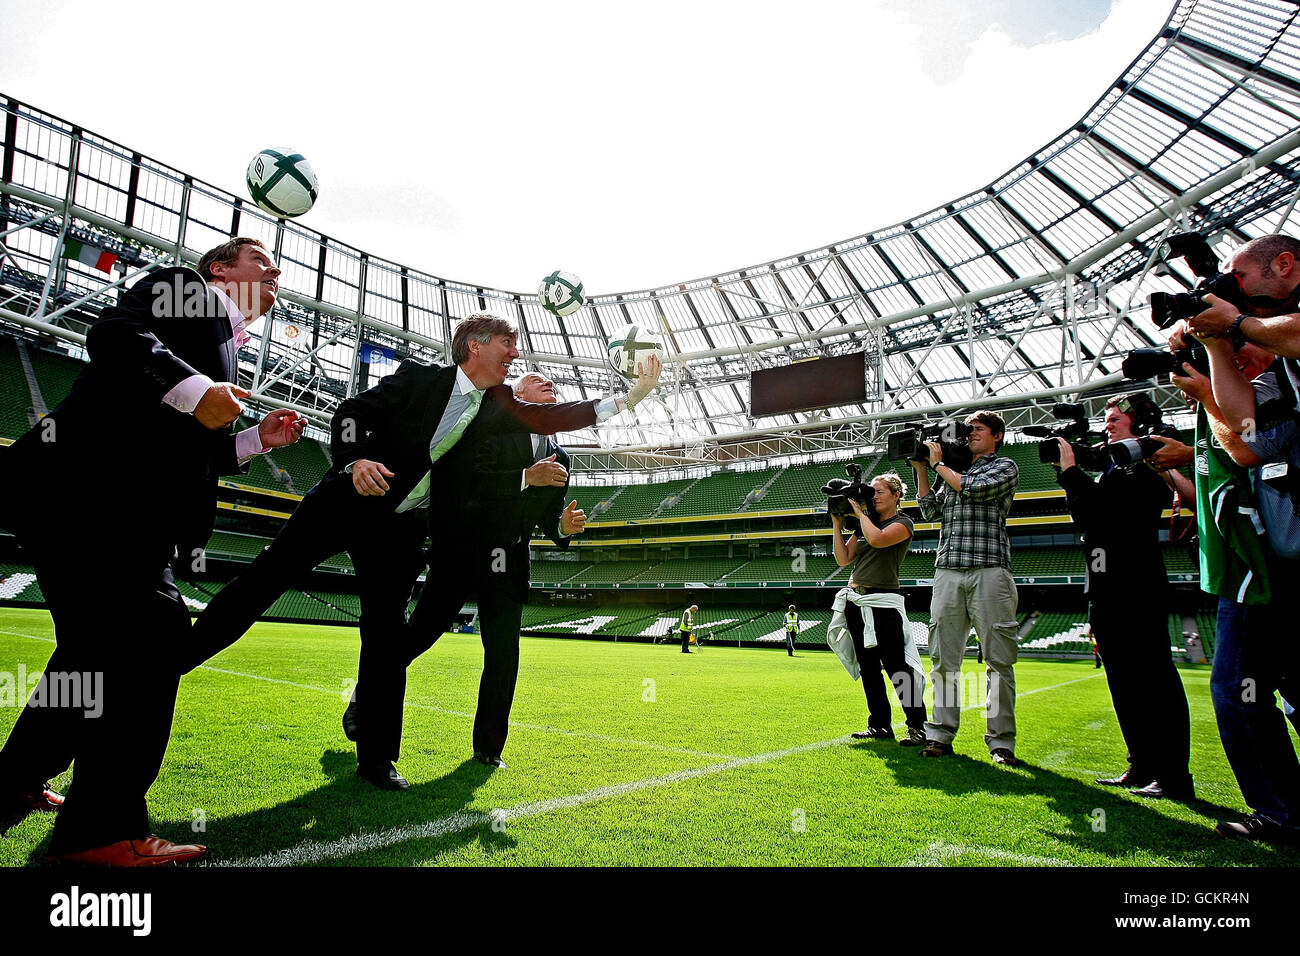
x=896, y=484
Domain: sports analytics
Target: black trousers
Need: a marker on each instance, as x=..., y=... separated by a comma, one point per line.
x=909, y=684
x=1150, y=703
x=387, y=552
x=686, y=640
x=105, y=701
x=500, y=615
x=789, y=643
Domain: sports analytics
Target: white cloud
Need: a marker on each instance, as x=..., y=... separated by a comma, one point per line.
x=634, y=146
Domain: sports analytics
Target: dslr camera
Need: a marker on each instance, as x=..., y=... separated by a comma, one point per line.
x=838, y=492
x=1073, y=427
x=908, y=443
x=1142, y=364
x=1168, y=307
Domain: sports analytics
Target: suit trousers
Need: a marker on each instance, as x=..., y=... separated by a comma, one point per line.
x=500, y=616
x=987, y=599
x=387, y=552
x=1132, y=636
x=105, y=701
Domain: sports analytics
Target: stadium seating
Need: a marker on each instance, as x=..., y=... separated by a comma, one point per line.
x=611, y=572
x=723, y=493
x=1047, y=561
x=1034, y=475
x=18, y=583
x=799, y=486
x=550, y=572
x=689, y=571
x=817, y=568
x=54, y=374
x=15, y=399
x=306, y=463
x=637, y=502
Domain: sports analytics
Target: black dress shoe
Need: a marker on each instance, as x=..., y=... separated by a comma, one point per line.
x=351, y=726
x=495, y=762
x=384, y=776
x=1129, y=778
x=1157, y=791
x=1257, y=826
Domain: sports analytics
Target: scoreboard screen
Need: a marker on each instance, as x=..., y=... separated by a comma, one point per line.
x=817, y=383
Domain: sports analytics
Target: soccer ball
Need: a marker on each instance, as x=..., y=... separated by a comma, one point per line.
x=630, y=345
x=282, y=182
x=561, y=293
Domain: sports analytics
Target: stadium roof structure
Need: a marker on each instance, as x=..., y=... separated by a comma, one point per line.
x=1027, y=290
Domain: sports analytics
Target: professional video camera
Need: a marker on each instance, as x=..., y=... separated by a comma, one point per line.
x=1168, y=307
x=1142, y=364
x=908, y=443
x=838, y=492
x=1073, y=427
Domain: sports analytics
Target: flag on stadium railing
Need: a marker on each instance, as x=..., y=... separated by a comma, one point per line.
x=87, y=254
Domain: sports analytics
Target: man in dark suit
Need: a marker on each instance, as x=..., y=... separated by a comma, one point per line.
x=105, y=493
x=399, y=449
x=522, y=482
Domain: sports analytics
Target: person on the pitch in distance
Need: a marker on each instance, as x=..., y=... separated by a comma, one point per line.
x=687, y=627
x=876, y=553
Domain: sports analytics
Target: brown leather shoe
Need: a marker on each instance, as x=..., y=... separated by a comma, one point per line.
x=43, y=800
x=149, y=851
x=937, y=748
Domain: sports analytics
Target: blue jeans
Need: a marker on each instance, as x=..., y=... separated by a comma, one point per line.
x=1253, y=651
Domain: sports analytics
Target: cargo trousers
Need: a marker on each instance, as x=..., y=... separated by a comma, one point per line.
x=985, y=598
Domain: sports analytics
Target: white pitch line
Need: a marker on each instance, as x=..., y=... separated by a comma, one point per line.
x=628, y=741
x=311, y=852
x=936, y=853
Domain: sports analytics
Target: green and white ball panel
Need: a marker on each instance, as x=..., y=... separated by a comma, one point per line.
x=282, y=182
x=630, y=345
x=561, y=293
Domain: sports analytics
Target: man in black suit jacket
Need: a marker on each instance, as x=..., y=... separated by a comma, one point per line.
x=105, y=493
x=522, y=484
x=381, y=442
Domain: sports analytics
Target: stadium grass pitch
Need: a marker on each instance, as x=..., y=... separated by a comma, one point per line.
x=630, y=754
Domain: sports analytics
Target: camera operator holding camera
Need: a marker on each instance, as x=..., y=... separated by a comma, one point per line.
x=876, y=557
x=1247, y=572
x=972, y=580
x=1128, y=600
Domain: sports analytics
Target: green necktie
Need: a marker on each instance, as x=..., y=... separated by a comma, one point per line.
x=438, y=446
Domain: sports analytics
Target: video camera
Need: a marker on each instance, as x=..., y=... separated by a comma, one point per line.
x=1168, y=307
x=908, y=443
x=838, y=492
x=1073, y=427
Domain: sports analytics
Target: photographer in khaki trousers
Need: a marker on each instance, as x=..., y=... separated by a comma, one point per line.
x=972, y=585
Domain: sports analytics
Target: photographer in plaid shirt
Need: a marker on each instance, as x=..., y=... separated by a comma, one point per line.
x=972, y=585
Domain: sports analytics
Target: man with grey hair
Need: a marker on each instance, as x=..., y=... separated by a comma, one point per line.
x=403, y=458
x=521, y=482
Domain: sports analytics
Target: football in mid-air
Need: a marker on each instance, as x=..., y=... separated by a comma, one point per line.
x=561, y=293
x=630, y=345
x=282, y=182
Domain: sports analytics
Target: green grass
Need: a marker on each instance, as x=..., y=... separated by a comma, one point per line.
x=257, y=748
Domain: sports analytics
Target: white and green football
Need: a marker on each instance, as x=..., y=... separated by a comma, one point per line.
x=630, y=345
x=561, y=293
x=282, y=182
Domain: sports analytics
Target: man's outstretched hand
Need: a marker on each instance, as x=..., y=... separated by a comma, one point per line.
x=647, y=378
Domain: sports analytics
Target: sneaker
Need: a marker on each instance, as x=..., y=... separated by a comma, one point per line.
x=936, y=748
x=1002, y=755
x=915, y=738
x=1130, y=778
x=873, y=733
x=1257, y=826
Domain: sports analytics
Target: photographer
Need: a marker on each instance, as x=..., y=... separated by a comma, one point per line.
x=873, y=586
x=1269, y=274
x=972, y=580
x=1128, y=601
x=1252, y=659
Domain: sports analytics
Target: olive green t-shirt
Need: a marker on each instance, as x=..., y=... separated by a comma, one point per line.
x=878, y=567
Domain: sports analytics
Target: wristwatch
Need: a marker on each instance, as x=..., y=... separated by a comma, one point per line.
x=1234, y=333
